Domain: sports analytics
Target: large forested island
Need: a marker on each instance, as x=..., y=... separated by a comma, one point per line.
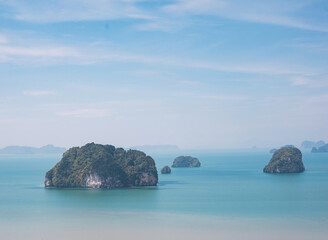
x=186, y=161
x=102, y=166
x=285, y=160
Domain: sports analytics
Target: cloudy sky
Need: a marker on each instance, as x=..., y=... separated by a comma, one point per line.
x=195, y=73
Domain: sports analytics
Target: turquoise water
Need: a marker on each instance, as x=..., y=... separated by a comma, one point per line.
x=228, y=185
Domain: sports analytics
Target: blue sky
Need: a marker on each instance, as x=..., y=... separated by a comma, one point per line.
x=198, y=74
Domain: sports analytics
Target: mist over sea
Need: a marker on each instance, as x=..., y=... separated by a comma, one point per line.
x=228, y=197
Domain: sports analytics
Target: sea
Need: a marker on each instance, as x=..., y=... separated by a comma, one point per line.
x=228, y=197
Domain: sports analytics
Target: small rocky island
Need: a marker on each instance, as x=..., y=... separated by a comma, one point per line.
x=102, y=166
x=285, y=160
x=166, y=170
x=186, y=161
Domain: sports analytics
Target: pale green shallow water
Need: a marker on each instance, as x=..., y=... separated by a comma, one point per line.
x=229, y=197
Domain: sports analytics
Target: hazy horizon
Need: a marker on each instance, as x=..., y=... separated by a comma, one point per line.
x=156, y=147
x=196, y=74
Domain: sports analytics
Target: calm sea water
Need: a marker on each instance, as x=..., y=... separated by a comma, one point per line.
x=228, y=192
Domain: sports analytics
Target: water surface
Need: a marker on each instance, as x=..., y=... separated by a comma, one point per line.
x=228, y=195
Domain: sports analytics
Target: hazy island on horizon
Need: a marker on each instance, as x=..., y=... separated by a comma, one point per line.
x=156, y=148
x=321, y=149
x=311, y=144
x=47, y=149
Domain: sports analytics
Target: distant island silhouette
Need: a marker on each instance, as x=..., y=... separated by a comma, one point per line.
x=156, y=148
x=312, y=144
x=32, y=150
x=322, y=149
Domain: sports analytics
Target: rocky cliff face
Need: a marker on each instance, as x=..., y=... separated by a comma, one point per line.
x=285, y=160
x=102, y=166
x=186, y=161
x=94, y=181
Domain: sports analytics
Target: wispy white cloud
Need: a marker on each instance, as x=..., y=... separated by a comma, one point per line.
x=312, y=47
x=38, y=93
x=72, y=10
x=256, y=68
x=3, y=39
x=298, y=81
x=321, y=99
x=88, y=55
x=195, y=6
x=25, y=50
x=169, y=14
x=163, y=23
x=279, y=12
x=282, y=21
x=42, y=51
x=225, y=97
x=20, y=50
x=188, y=83
x=141, y=16
x=236, y=67
x=86, y=113
x=313, y=81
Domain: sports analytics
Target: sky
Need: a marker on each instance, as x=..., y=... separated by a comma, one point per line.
x=202, y=74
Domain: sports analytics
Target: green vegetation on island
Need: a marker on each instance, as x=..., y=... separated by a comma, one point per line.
x=186, y=161
x=102, y=166
x=166, y=170
x=285, y=146
x=285, y=160
x=322, y=149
